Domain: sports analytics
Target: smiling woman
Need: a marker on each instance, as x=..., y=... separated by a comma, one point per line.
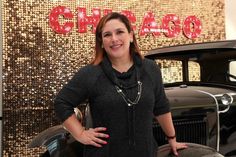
x=124, y=91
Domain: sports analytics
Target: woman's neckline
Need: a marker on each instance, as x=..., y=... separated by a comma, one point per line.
x=122, y=68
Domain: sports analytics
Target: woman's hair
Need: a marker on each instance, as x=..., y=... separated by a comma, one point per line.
x=99, y=51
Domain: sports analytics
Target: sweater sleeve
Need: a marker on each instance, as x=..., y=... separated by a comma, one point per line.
x=73, y=93
x=161, y=105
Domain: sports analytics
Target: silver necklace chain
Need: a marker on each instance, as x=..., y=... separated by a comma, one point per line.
x=127, y=100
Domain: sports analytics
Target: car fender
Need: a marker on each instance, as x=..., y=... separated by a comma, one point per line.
x=48, y=135
x=59, y=142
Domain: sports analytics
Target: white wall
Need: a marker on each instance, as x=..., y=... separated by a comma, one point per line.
x=230, y=19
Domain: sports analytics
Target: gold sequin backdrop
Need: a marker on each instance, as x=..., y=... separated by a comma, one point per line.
x=37, y=61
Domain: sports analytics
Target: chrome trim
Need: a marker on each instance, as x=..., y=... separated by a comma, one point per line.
x=217, y=118
x=231, y=94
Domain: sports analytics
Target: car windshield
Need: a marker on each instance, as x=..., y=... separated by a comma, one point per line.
x=172, y=70
x=209, y=62
x=232, y=70
x=190, y=69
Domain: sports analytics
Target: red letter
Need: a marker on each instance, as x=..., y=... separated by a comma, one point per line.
x=106, y=11
x=54, y=23
x=84, y=20
x=171, y=31
x=195, y=30
x=131, y=17
x=149, y=25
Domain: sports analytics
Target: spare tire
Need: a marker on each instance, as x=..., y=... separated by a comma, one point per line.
x=193, y=150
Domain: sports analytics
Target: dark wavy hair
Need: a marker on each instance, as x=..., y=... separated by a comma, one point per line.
x=99, y=51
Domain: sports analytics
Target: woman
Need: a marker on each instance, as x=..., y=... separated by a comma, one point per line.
x=124, y=91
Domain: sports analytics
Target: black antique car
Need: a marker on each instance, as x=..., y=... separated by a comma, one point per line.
x=200, y=83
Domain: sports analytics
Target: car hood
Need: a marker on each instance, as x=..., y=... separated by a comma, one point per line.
x=194, y=96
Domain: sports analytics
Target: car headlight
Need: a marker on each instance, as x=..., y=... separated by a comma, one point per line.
x=226, y=99
x=78, y=114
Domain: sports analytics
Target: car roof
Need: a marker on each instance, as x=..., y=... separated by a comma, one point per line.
x=193, y=48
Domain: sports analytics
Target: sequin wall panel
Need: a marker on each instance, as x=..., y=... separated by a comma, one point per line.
x=37, y=61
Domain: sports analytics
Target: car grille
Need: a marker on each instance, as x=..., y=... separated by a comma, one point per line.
x=194, y=131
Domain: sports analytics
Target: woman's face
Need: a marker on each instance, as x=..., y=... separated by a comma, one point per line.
x=116, y=39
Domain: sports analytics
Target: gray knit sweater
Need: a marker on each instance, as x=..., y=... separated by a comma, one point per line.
x=130, y=129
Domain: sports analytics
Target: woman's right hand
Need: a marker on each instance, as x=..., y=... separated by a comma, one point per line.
x=93, y=136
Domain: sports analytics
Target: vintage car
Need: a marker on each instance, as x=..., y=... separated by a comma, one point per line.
x=200, y=83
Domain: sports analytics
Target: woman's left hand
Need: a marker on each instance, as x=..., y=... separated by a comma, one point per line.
x=176, y=145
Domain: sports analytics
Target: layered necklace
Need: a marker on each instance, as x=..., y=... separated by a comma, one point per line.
x=126, y=99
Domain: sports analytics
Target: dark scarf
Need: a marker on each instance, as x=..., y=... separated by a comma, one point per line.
x=114, y=76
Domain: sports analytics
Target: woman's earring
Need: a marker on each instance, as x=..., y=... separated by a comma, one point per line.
x=131, y=40
x=102, y=46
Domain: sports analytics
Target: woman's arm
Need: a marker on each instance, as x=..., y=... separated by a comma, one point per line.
x=166, y=123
